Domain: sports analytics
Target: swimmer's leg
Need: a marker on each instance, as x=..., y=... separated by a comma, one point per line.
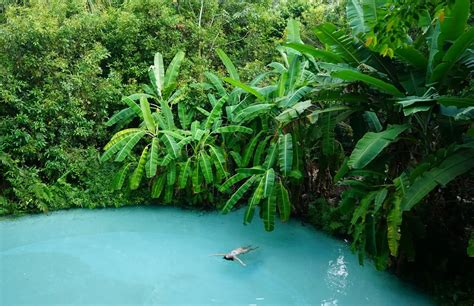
x=241, y=262
x=249, y=248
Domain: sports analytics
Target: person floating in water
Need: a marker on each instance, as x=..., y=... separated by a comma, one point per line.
x=233, y=254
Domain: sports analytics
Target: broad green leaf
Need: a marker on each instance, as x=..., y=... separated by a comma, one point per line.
x=295, y=96
x=233, y=180
x=173, y=134
x=372, y=121
x=185, y=141
x=134, y=106
x=294, y=73
x=158, y=185
x=338, y=41
x=456, y=20
x=454, y=165
x=254, y=201
x=456, y=101
x=324, y=55
x=260, y=150
x=159, y=119
x=356, y=17
x=342, y=171
x=228, y=64
x=119, y=178
x=271, y=157
x=196, y=178
x=434, y=50
x=253, y=111
x=171, y=145
x=372, y=144
x=314, y=116
x=184, y=116
x=169, y=190
x=216, y=82
x=203, y=111
x=394, y=220
x=169, y=83
x=219, y=162
x=283, y=201
x=121, y=116
x=167, y=114
x=328, y=126
x=234, y=129
x=138, y=96
x=245, y=88
x=121, y=135
x=238, y=195
x=205, y=164
x=177, y=96
x=197, y=134
x=237, y=158
x=215, y=112
x=453, y=54
x=268, y=182
x=362, y=209
x=269, y=212
x=293, y=29
x=171, y=174
x=281, y=89
x=159, y=72
x=129, y=145
x=166, y=160
x=379, y=199
x=401, y=183
x=249, y=149
x=145, y=107
x=184, y=174
x=351, y=75
x=277, y=67
x=285, y=156
x=152, y=163
x=412, y=56
x=137, y=174
x=253, y=170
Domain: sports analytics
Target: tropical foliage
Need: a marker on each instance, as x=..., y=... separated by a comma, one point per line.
x=366, y=130
x=416, y=95
x=66, y=64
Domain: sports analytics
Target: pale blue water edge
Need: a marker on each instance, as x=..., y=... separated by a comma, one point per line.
x=149, y=256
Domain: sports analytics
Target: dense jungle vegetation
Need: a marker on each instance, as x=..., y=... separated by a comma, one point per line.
x=355, y=116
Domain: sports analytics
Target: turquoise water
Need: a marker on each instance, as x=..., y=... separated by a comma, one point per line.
x=150, y=256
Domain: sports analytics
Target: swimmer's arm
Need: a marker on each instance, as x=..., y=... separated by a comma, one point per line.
x=217, y=254
x=238, y=259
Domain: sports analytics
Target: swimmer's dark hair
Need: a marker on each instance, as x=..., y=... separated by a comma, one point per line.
x=228, y=258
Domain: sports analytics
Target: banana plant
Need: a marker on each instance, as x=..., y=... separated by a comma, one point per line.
x=379, y=201
x=420, y=93
x=272, y=157
x=178, y=152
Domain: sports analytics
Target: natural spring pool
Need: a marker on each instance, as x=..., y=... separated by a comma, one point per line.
x=160, y=255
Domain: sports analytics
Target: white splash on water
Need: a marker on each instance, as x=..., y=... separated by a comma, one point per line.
x=337, y=274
